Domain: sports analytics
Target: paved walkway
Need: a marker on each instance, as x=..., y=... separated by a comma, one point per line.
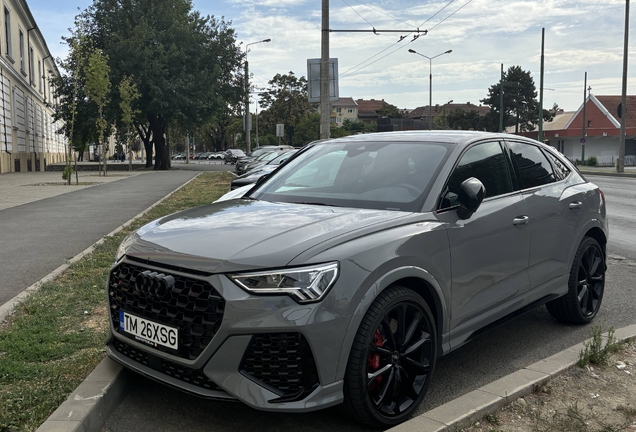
x=43, y=225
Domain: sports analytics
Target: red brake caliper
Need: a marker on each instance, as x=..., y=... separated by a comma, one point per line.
x=374, y=359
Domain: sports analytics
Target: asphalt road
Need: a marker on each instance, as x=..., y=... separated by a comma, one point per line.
x=38, y=237
x=520, y=342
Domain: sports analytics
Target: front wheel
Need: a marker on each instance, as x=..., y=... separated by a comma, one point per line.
x=392, y=359
x=586, y=286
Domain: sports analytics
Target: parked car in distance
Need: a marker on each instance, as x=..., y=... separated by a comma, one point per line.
x=254, y=175
x=216, y=155
x=346, y=273
x=232, y=155
x=257, y=152
x=178, y=156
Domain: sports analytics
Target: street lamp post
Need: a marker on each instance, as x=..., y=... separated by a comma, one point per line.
x=430, y=82
x=248, y=138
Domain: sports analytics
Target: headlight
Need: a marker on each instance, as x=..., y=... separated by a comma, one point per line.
x=123, y=247
x=305, y=285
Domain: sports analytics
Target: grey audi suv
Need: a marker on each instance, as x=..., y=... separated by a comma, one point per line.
x=342, y=277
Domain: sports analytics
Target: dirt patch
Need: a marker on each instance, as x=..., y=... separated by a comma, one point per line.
x=591, y=399
x=97, y=318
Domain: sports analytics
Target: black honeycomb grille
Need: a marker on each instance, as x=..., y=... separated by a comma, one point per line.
x=282, y=362
x=183, y=373
x=193, y=306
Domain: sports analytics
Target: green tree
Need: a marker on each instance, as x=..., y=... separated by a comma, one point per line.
x=308, y=128
x=390, y=111
x=352, y=126
x=97, y=89
x=70, y=104
x=128, y=95
x=285, y=101
x=184, y=66
x=520, y=105
x=462, y=120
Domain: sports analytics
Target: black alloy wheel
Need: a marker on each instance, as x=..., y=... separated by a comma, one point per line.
x=392, y=359
x=586, y=286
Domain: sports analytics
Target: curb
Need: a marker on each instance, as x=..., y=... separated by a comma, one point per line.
x=608, y=174
x=92, y=402
x=473, y=406
x=88, y=407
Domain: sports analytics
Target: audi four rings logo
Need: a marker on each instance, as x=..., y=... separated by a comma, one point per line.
x=153, y=284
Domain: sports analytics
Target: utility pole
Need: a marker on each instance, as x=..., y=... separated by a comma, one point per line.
x=248, y=123
x=248, y=126
x=501, y=106
x=257, y=124
x=325, y=106
x=187, y=143
x=584, y=115
x=620, y=166
x=541, y=88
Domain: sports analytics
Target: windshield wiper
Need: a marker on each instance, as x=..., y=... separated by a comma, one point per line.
x=315, y=203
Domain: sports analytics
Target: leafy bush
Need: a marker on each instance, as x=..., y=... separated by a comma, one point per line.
x=67, y=173
x=592, y=161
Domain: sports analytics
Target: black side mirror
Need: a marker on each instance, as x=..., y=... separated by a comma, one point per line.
x=471, y=194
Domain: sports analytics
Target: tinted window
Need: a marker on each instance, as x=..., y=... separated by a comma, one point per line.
x=376, y=175
x=561, y=171
x=534, y=168
x=487, y=163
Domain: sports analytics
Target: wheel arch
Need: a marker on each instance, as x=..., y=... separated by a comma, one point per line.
x=599, y=235
x=414, y=278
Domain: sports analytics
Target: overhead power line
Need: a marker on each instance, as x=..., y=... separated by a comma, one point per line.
x=368, y=62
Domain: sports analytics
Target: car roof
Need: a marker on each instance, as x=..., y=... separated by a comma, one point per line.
x=444, y=136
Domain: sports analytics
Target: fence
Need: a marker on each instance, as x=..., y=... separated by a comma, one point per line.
x=630, y=160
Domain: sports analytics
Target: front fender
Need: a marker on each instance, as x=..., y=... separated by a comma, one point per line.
x=428, y=282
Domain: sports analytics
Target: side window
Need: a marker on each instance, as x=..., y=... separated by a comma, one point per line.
x=487, y=163
x=560, y=169
x=534, y=168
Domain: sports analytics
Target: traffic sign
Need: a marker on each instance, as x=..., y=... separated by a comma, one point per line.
x=582, y=140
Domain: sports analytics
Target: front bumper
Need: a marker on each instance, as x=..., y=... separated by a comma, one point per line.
x=266, y=351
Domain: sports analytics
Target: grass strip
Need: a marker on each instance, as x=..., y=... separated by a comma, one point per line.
x=56, y=337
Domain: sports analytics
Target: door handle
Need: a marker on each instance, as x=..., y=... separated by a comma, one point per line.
x=575, y=206
x=520, y=221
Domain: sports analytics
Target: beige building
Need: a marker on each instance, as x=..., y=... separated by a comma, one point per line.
x=28, y=135
x=342, y=109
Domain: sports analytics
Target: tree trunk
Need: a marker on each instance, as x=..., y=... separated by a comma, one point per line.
x=146, y=137
x=162, y=153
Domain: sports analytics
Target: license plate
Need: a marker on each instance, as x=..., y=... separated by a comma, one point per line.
x=149, y=332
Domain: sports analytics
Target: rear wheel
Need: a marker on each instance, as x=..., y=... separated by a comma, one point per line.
x=586, y=286
x=392, y=359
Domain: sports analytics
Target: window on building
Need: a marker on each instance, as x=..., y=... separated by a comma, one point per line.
x=339, y=110
x=31, y=66
x=350, y=110
x=338, y=120
x=22, y=51
x=589, y=123
x=40, y=75
x=7, y=31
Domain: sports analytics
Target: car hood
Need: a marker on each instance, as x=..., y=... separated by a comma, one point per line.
x=244, y=234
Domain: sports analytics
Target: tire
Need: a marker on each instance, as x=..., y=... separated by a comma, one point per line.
x=586, y=286
x=392, y=359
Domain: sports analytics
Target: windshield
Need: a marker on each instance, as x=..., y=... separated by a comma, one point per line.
x=376, y=175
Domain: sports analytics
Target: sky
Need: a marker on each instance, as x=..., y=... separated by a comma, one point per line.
x=580, y=36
